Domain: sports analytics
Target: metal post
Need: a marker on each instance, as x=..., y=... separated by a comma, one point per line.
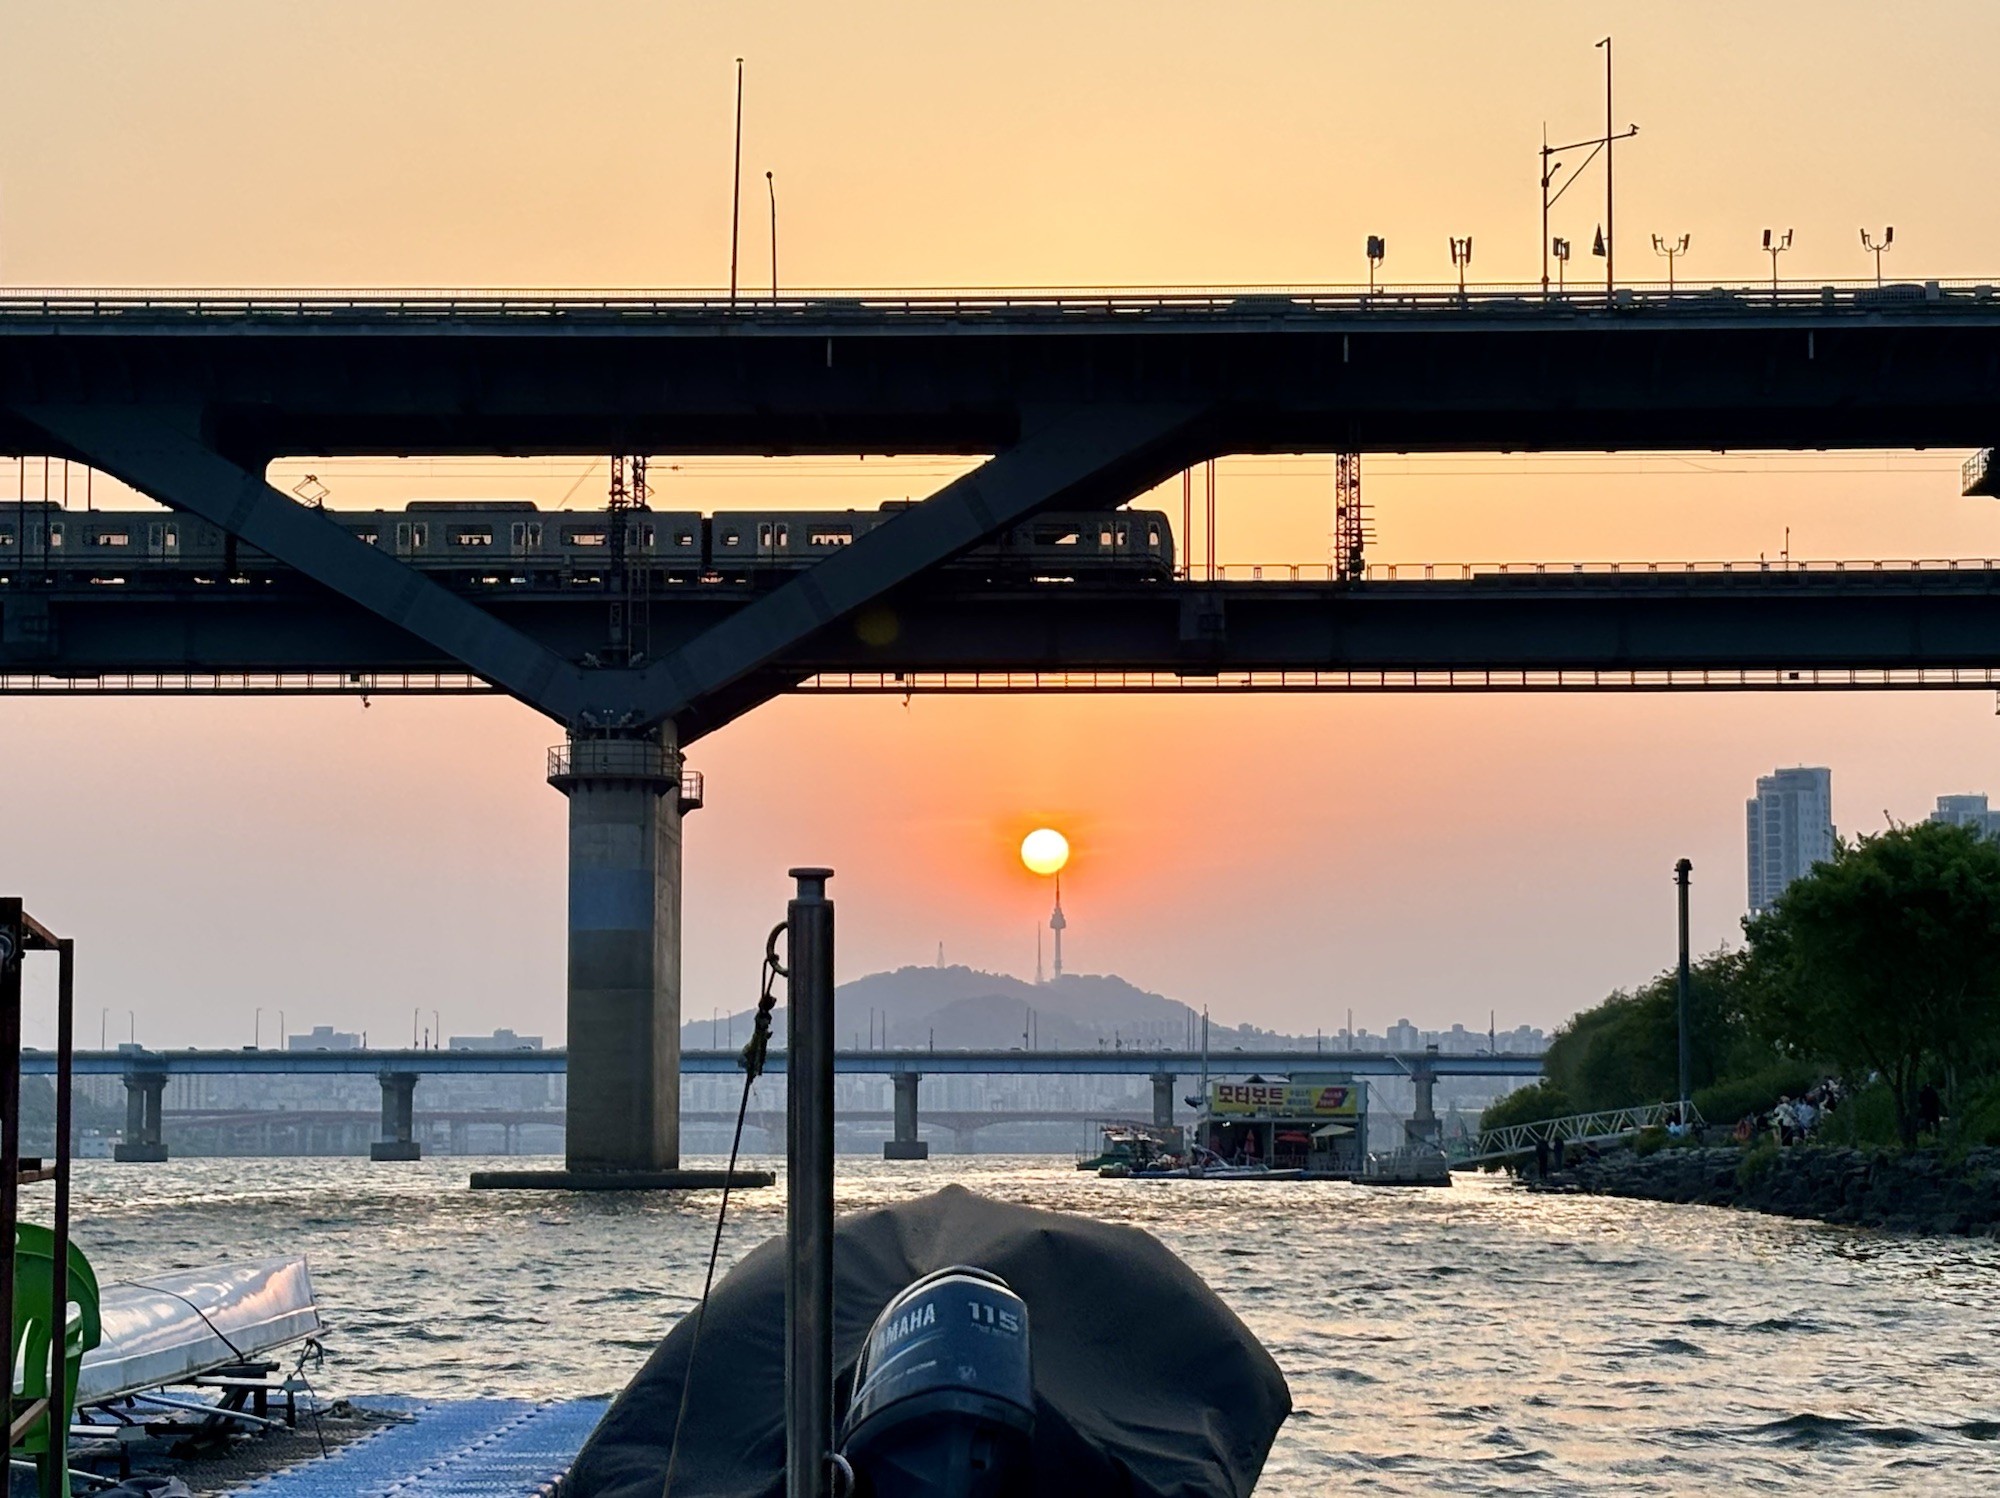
x=12, y=941
x=1681, y=872
x=1610, y=196
x=809, y=1189
x=736, y=185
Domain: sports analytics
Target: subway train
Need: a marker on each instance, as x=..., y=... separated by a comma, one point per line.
x=516, y=543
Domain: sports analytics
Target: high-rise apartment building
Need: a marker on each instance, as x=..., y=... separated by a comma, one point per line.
x=1967, y=811
x=1790, y=829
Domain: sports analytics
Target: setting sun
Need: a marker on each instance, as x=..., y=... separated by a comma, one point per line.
x=1045, y=851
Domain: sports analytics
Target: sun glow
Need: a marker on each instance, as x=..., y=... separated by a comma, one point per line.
x=1045, y=851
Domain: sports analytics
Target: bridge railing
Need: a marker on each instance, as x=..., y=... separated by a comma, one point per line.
x=1614, y=1123
x=207, y=304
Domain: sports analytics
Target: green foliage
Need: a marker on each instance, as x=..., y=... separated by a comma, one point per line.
x=1649, y=1141
x=1866, y=1120
x=1525, y=1105
x=1758, y=1161
x=1977, y=1123
x=1627, y=1049
x=1887, y=960
x=1731, y=1098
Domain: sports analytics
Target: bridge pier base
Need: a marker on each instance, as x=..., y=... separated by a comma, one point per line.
x=143, y=1144
x=904, y=1144
x=399, y=1139
x=1163, y=1099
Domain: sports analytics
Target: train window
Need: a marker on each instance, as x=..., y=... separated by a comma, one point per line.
x=526, y=535
x=6, y=536
x=1153, y=537
x=368, y=535
x=470, y=535
x=1124, y=535
x=831, y=536
x=534, y=535
x=111, y=538
x=1057, y=535
x=1104, y=538
x=732, y=538
x=683, y=538
x=764, y=537
x=577, y=536
x=55, y=535
x=784, y=537
x=648, y=535
x=163, y=540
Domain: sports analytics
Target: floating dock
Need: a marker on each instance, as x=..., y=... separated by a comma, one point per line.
x=460, y=1448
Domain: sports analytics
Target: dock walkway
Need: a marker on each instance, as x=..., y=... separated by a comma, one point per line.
x=462, y=1448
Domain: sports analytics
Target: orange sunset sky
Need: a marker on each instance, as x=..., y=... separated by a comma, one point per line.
x=1277, y=859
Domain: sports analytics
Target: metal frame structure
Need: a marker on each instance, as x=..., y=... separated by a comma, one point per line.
x=20, y=934
x=1586, y=1128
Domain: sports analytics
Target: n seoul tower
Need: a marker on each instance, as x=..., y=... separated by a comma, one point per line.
x=1045, y=851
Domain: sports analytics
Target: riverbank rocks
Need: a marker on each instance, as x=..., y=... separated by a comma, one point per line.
x=1924, y=1191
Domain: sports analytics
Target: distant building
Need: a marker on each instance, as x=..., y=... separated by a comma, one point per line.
x=1790, y=824
x=324, y=1038
x=499, y=1040
x=1967, y=811
x=1404, y=1036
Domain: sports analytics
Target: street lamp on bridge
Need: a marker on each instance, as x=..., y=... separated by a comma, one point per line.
x=1868, y=244
x=1774, y=248
x=1672, y=251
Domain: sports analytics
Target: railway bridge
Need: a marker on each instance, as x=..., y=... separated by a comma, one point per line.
x=1073, y=400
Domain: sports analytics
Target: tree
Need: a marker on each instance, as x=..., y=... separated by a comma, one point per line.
x=1887, y=959
x=1627, y=1049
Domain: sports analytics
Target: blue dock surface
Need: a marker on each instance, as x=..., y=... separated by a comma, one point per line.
x=470, y=1448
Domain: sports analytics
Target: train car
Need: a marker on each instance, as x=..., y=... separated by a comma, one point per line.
x=752, y=545
x=515, y=543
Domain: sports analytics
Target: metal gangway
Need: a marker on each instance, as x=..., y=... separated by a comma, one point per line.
x=1576, y=1128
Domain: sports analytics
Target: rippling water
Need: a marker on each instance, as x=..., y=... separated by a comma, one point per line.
x=1475, y=1340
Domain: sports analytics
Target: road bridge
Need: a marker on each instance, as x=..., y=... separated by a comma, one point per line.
x=346, y=1131
x=146, y=1073
x=1077, y=400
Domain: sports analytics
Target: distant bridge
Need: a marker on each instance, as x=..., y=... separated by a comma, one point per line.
x=128, y=1062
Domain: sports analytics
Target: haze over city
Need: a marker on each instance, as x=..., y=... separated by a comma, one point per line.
x=1280, y=860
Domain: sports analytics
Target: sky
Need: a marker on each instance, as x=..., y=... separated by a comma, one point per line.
x=1284, y=860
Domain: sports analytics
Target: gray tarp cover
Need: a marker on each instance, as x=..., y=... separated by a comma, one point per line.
x=1145, y=1382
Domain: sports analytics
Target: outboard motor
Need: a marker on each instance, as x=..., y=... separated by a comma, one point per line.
x=944, y=1403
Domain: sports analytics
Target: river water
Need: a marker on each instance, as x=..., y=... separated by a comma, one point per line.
x=1473, y=1340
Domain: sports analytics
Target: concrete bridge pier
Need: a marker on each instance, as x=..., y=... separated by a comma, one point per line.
x=399, y=1139
x=622, y=1110
x=904, y=1144
x=1164, y=1083
x=143, y=1142
x=1423, y=1125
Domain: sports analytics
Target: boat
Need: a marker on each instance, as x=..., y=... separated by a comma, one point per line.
x=173, y=1328
x=1129, y=1148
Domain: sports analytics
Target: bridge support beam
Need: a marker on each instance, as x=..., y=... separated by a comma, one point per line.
x=1423, y=1125
x=143, y=1142
x=903, y=1143
x=1164, y=1083
x=399, y=1135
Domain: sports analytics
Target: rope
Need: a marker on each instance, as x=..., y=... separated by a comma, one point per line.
x=755, y=1053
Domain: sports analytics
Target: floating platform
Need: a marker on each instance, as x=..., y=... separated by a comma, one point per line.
x=471, y=1448
x=619, y=1180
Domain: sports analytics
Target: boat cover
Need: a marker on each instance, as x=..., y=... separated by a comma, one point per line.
x=1145, y=1382
x=167, y=1328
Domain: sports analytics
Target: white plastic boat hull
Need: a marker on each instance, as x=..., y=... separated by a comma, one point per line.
x=169, y=1328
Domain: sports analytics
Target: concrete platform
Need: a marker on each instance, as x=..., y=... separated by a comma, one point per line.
x=140, y=1154
x=395, y=1149
x=618, y=1180
x=906, y=1149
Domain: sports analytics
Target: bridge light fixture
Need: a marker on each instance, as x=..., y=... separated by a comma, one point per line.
x=1560, y=247
x=1461, y=257
x=1774, y=247
x=1673, y=250
x=1378, y=251
x=1869, y=244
